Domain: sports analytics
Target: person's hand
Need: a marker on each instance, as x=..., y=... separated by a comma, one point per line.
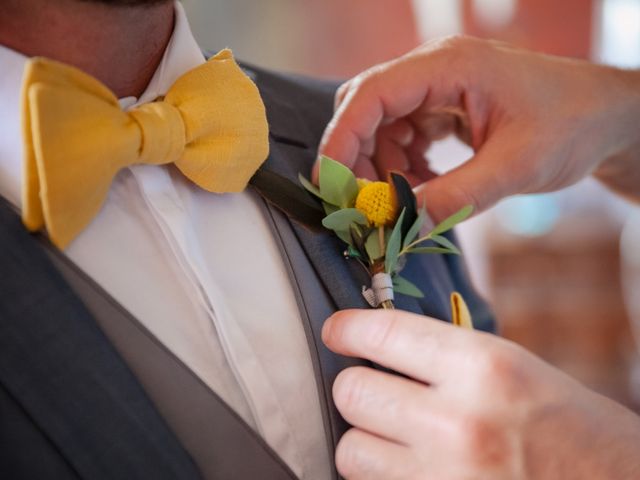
x=536, y=123
x=473, y=407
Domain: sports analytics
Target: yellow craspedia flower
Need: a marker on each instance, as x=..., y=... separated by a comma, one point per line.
x=377, y=202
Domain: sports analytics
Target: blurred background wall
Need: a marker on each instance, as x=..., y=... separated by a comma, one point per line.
x=562, y=270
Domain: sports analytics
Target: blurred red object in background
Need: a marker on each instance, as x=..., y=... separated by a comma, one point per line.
x=347, y=39
x=551, y=26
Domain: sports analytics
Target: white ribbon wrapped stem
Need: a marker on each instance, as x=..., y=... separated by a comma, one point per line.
x=381, y=290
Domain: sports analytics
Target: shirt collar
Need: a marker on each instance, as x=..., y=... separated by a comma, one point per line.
x=12, y=66
x=181, y=55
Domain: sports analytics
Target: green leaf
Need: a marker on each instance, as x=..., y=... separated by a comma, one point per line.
x=431, y=250
x=338, y=185
x=342, y=220
x=405, y=287
x=406, y=200
x=415, y=228
x=372, y=246
x=357, y=239
x=393, y=245
x=329, y=209
x=453, y=220
x=311, y=188
x=344, y=236
x=445, y=242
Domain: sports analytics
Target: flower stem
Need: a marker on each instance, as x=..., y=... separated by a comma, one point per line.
x=381, y=240
x=415, y=243
x=387, y=305
x=378, y=267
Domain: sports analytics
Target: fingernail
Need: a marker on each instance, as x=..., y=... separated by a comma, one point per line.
x=326, y=330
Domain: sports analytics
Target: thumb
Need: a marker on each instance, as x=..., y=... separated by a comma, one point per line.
x=492, y=174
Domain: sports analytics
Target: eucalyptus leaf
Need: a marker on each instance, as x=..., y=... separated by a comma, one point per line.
x=431, y=250
x=310, y=187
x=415, y=228
x=372, y=246
x=405, y=287
x=453, y=220
x=342, y=219
x=338, y=185
x=393, y=245
x=445, y=242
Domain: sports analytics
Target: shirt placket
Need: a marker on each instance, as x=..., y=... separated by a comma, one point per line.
x=168, y=211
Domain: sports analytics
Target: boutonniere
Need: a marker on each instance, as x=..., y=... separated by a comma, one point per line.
x=381, y=226
x=378, y=222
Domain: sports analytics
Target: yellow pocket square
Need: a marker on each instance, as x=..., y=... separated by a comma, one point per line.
x=460, y=314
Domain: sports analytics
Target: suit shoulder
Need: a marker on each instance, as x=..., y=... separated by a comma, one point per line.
x=296, y=85
x=309, y=99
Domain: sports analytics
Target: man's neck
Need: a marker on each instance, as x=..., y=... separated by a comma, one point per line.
x=121, y=46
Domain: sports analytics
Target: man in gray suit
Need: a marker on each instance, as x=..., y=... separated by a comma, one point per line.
x=180, y=334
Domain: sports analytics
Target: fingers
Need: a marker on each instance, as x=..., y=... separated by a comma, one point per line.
x=428, y=94
x=386, y=405
x=354, y=123
x=422, y=348
x=364, y=168
x=362, y=456
x=388, y=95
x=400, y=148
x=419, y=171
x=340, y=94
x=392, y=142
x=391, y=90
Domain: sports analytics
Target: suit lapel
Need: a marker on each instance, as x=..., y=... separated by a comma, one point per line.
x=59, y=366
x=315, y=305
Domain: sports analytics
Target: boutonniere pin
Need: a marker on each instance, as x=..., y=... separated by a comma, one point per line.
x=380, y=224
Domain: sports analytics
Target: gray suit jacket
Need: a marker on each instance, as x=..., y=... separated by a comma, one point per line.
x=86, y=392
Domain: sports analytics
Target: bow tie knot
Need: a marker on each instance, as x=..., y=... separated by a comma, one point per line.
x=211, y=125
x=161, y=131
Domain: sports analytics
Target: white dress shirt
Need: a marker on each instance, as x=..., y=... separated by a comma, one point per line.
x=201, y=271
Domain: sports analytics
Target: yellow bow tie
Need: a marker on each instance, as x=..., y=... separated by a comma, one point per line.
x=211, y=124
